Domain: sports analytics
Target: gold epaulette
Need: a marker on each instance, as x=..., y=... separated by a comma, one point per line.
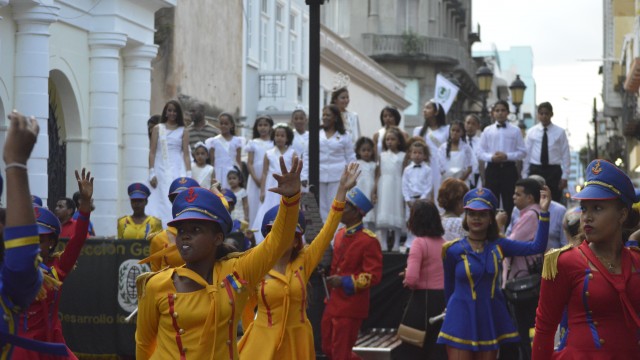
x=447, y=245
x=122, y=217
x=370, y=233
x=156, y=218
x=143, y=278
x=153, y=234
x=550, y=266
x=634, y=248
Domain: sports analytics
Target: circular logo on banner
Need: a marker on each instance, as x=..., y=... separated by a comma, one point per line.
x=443, y=95
x=127, y=293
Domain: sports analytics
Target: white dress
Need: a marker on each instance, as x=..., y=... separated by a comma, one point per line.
x=452, y=228
x=434, y=139
x=202, y=175
x=365, y=183
x=271, y=199
x=238, y=211
x=169, y=165
x=390, y=206
x=258, y=147
x=457, y=163
x=301, y=146
x=352, y=124
x=381, y=134
x=225, y=153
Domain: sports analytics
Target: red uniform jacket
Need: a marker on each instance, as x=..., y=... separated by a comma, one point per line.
x=40, y=321
x=357, y=257
x=600, y=323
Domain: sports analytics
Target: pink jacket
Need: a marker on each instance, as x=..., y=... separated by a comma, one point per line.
x=424, y=265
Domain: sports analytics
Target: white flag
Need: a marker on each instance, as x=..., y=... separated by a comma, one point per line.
x=446, y=92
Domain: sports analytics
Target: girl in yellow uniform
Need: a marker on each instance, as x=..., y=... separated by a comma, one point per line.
x=139, y=225
x=281, y=329
x=192, y=312
x=162, y=243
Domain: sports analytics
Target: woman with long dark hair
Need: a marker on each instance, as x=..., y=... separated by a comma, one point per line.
x=435, y=132
x=169, y=158
x=597, y=281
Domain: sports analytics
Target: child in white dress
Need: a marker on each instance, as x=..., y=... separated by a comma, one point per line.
x=200, y=170
x=367, y=179
x=256, y=148
x=241, y=210
x=456, y=156
x=390, y=204
x=282, y=138
x=301, y=142
x=224, y=149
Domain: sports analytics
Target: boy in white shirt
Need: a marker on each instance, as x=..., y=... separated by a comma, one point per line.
x=417, y=181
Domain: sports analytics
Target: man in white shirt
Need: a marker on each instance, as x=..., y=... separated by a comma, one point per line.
x=501, y=145
x=472, y=128
x=548, y=152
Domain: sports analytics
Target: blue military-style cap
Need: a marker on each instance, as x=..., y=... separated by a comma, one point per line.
x=480, y=199
x=36, y=200
x=270, y=217
x=47, y=222
x=229, y=196
x=138, y=191
x=606, y=181
x=180, y=184
x=198, y=203
x=358, y=199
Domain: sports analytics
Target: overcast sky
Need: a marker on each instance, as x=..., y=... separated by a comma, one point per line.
x=566, y=37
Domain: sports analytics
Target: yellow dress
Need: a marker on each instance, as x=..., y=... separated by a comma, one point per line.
x=202, y=324
x=281, y=329
x=129, y=230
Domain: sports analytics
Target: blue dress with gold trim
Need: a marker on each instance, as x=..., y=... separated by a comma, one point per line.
x=477, y=318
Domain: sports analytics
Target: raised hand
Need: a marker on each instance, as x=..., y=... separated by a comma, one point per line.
x=350, y=176
x=85, y=187
x=289, y=181
x=545, y=198
x=21, y=137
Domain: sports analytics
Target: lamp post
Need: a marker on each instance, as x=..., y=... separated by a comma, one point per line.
x=485, y=78
x=517, y=88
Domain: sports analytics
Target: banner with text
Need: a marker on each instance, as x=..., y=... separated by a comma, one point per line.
x=99, y=294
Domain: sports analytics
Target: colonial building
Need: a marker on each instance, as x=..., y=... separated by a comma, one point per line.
x=414, y=40
x=276, y=80
x=83, y=69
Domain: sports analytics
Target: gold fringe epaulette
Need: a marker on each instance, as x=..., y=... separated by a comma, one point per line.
x=447, y=245
x=550, y=266
x=143, y=278
x=370, y=233
x=153, y=234
x=634, y=248
x=48, y=282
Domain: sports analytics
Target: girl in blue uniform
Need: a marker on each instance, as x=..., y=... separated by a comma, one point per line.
x=477, y=319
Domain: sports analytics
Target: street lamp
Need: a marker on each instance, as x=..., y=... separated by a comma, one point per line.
x=517, y=88
x=485, y=78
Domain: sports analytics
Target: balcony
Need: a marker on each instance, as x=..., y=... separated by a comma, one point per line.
x=415, y=47
x=281, y=90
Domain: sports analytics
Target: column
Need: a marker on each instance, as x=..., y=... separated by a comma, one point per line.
x=136, y=106
x=103, y=127
x=31, y=88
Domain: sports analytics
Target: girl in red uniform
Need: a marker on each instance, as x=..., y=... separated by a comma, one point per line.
x=40, y=321
x=598, y=282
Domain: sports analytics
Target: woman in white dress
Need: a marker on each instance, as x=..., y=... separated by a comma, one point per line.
x=435, y=132
x=336, y=151
x=282, y=138
x=169, y=159
x=340, y=98
x=201, y=171
x=456, y=156
x=256, y=148
x=225, y=149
